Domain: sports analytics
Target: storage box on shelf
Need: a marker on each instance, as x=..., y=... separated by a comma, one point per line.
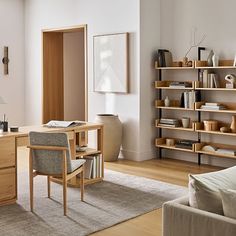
x=197, y=84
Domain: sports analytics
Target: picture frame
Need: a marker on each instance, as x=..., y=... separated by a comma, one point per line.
x=110, y=63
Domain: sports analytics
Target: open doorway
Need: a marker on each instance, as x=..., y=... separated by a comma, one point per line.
x=65, y=74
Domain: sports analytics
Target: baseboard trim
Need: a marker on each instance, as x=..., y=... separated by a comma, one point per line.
x=137, y=156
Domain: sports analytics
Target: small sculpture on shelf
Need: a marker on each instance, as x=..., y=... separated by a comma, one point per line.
x=230, y=81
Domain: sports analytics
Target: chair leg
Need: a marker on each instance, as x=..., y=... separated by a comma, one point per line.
x=82, y=184
x=65, y=195
x=31, y=182
x=49, y=187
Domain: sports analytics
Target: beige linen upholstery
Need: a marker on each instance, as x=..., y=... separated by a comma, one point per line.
x=179, y=219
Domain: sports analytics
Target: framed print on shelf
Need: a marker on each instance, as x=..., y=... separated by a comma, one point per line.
x=110, y=57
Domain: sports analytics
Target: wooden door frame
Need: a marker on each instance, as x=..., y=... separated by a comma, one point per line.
x=77, y=28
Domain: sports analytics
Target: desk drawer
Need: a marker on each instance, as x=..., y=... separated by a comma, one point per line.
x=7, y=184
x=7, y=152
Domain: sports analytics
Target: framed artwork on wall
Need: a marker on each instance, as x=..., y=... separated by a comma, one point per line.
x=110, y=63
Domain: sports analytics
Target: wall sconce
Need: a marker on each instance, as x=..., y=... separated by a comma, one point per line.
x=5, y=60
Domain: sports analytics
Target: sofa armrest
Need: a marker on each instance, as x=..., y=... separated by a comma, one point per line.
x=179, y=219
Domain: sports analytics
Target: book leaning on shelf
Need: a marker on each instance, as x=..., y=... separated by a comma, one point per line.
x=188, y=98
x=93, y=167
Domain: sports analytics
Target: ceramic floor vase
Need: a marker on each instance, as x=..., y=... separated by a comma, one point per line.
x=112, y=135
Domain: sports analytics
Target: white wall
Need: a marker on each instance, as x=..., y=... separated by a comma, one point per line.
x=104, y=16
x=149, y=42
x=12, y=85
x=74, y=81
x=216, y=19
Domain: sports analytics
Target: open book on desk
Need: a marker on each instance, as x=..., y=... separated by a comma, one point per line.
x=62, y=124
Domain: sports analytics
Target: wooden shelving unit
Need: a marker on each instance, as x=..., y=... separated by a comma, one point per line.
x=79, y=137
x=196, y=127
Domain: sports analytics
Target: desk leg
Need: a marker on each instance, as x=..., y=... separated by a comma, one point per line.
x=100, y=146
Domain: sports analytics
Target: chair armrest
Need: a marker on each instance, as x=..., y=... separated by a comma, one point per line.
x=179, y=219
x=51, y=148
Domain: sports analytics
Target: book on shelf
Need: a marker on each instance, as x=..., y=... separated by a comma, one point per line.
x=188, y=98
x=177, y=84
x=185, y=144
x=62, y=124
x=226, y=151
x=169, y=125
x=93, y=166
x=205, y=79
x=169, y=121
x=213, y=107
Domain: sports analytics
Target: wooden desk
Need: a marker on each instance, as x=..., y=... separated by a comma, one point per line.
x=9, y=142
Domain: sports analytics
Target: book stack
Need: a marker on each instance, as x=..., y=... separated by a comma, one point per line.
x=178, y=84
x=93, y=167
x=185, y=144
x=213, y=106
x=226, y=151
x=188, y=98
x=169, y=122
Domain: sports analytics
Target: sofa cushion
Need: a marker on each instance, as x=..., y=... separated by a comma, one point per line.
x=204, y=191
x=229, y=202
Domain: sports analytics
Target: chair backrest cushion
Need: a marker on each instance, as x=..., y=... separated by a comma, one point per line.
x=49, y=161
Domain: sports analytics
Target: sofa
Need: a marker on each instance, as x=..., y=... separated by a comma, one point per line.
x=208, y=210
x=179, y=219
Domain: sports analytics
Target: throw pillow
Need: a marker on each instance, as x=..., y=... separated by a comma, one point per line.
x=229, y=202
x=204, y=191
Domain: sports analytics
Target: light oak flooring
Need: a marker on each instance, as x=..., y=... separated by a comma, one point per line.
x=166, y=170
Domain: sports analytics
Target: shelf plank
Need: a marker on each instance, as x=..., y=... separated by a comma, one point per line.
x=215, y=67
x=77, y=184
x=175, y=108
x=175, y=128
x=215, y=132
x=215, y=154
x=173, y=148
x=175, y=88
x=89, y=151
x=174, y=68
x=220, y=111
x=216, y=89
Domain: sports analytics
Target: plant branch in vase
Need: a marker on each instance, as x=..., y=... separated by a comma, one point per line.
x=187, y=62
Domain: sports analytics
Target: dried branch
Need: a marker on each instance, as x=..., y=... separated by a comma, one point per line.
x=194, y=44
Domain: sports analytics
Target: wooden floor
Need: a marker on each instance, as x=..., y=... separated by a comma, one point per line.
x=171, y=171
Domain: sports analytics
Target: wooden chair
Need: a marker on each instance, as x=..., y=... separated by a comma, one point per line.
x=50, y=156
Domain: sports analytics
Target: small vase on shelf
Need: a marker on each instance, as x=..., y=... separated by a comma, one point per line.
x=233, y=124
x=209, y=58
x=215, y=60
x=167, y=101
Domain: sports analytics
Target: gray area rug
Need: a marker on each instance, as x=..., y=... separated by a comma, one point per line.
x=118, y=198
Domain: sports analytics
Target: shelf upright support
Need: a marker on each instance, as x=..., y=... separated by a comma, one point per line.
x=199, y=113
x=160, y=111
